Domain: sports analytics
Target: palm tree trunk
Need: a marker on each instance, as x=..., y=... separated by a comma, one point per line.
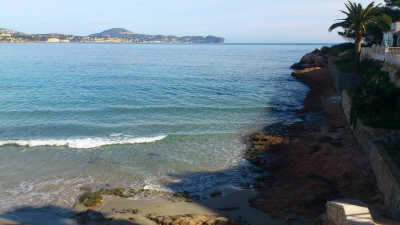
x=359, y=34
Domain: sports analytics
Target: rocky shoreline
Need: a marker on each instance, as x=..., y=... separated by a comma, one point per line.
x=302, y=166
x=315, y=58
x=314, y=161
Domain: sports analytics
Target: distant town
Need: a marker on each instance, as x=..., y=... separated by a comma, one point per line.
x=111, y=35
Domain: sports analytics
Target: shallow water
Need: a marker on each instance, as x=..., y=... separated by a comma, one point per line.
x=166, y=117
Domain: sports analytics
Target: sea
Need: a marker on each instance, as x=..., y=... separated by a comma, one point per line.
x=161, y=117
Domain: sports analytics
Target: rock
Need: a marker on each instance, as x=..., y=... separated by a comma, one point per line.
x=307, y=58
x=314, y=59
x=184, y=194
x=264, y=176
x=378, y=199
x=191, y=219
x=215, y=193
x=320, y=61
x=295, y=66
x=274, y=215
x=305, y=66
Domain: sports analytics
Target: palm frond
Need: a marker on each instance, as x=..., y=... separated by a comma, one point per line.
x=358, y=18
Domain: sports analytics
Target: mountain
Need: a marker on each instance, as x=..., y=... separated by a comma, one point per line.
x=114, y=32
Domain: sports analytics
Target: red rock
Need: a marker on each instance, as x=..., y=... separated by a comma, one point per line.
x=304, y=182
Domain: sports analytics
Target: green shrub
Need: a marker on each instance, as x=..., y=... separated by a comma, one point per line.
x=378, y=105
x=336, y=50
x=344, y=65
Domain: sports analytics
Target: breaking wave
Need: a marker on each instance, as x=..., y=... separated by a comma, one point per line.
x=84, y=143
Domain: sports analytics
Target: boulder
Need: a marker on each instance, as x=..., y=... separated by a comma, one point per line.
x=295, y=66
x=304, y=66
x=320, y=61
x=314, y=59
x=191, y=219
x=307, y=58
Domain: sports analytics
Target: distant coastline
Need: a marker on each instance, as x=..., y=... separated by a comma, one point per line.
x=115, y=35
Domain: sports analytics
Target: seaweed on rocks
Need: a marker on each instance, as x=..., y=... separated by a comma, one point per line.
x=90, y=198
x=310, y=162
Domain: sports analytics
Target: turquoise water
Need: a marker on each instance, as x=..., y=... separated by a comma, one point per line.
x=163, y=117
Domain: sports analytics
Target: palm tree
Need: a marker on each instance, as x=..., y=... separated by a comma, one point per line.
x=358, y=19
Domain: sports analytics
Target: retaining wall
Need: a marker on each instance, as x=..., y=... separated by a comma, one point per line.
x=386, y=173
x=387, y=176
x=344, y=81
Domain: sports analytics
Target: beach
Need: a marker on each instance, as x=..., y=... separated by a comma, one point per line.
x=253, y=151
x=301, y=165
x=169, y=121
x=311, y=162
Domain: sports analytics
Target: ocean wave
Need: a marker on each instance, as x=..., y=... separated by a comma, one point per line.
x=84, y=143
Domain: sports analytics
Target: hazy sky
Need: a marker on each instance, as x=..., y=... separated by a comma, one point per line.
x=252, y=21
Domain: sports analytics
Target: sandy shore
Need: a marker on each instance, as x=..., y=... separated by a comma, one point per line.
x=312, y=161
x=117, y=211
x=234, y=205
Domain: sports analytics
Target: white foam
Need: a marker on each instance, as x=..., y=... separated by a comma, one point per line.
x=84, y=143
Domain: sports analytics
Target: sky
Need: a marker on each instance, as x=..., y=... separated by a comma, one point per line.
x=238, y=21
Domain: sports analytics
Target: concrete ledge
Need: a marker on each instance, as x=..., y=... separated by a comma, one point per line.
x=344, y=212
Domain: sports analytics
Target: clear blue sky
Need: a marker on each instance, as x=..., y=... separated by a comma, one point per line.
x=251, y=21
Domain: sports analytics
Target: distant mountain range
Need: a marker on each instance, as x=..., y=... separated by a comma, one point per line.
x=123, y=33
x=111, y=35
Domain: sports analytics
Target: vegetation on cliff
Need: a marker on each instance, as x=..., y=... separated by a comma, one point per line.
x=378, y=105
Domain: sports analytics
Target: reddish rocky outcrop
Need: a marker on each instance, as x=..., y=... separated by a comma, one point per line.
x=318, y=159
x=313, y=59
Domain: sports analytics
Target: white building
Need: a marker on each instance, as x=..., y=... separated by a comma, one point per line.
x=392, y=37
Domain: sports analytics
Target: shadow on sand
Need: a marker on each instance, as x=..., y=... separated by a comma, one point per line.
x=229, y=201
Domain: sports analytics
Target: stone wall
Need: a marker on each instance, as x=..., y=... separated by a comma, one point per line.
x=360, y=130
x=344, y=81
x=386, y=173
x=387, y=176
